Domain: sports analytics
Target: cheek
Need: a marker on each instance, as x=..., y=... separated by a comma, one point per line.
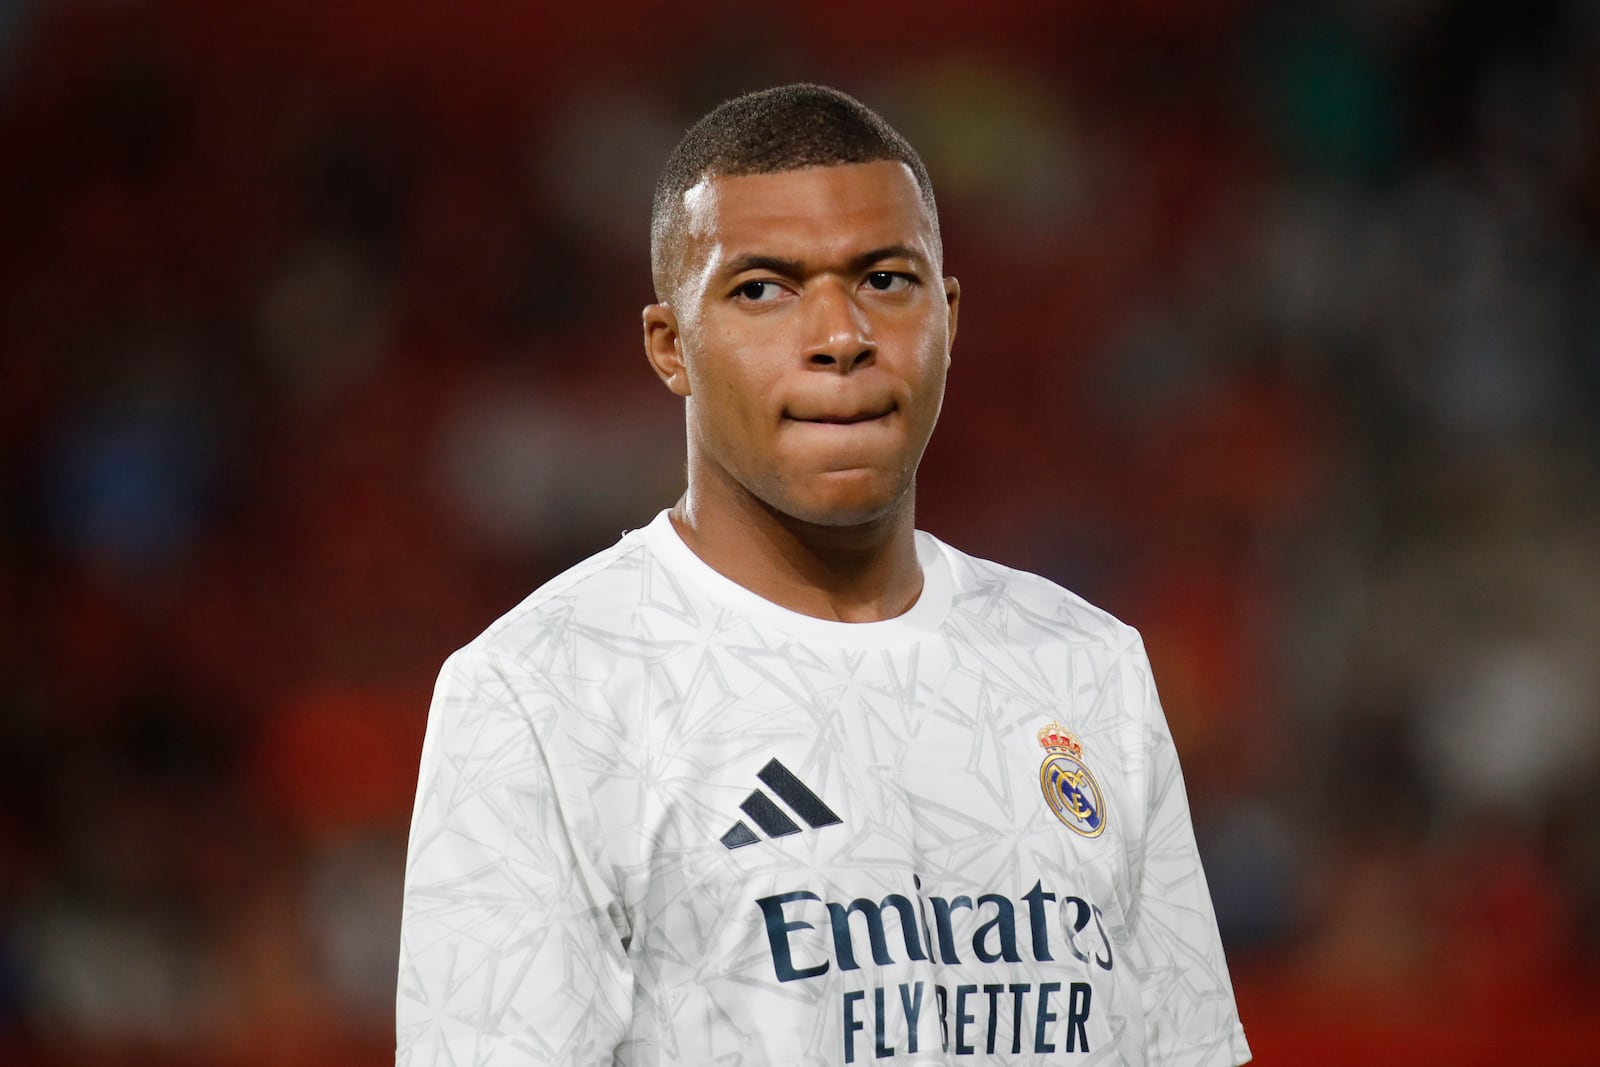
x=742, y=376
x=933, y=365
x=730, y=411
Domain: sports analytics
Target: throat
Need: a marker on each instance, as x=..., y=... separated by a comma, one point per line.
x=851, y=574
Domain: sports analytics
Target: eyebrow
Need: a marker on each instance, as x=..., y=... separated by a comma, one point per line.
x=794, y=268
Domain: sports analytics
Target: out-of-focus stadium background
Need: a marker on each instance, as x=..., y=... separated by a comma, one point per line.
x=319, y=349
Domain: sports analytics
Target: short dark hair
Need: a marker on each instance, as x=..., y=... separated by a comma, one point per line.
x=771, y=131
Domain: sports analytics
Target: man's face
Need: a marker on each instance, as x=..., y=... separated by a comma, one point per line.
x=810, y=332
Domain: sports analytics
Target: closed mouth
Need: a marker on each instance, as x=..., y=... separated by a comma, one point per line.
x=844, y=419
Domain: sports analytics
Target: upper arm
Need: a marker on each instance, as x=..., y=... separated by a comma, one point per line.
x=511, y=941
x=1189, y=1006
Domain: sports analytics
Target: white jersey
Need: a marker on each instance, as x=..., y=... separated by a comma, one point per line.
x=664, y=821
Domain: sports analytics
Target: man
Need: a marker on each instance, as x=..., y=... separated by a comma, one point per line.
x=778, y=779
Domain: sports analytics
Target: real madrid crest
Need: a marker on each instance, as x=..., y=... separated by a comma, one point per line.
x=1069, y=788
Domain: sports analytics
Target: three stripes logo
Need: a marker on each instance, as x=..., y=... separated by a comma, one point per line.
x=773, y=820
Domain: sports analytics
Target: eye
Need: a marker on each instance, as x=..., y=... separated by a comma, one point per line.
x=758, y=291
x=888, y=281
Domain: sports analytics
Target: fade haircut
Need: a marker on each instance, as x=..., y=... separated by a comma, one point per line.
x=771, y=131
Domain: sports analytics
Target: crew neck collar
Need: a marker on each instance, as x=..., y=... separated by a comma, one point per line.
x=921, y=620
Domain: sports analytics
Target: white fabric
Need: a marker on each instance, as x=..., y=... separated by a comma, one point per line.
x=570, y=899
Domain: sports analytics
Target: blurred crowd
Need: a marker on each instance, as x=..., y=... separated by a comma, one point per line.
x=319, y=349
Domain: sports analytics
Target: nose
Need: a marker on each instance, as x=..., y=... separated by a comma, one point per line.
x=838, y=331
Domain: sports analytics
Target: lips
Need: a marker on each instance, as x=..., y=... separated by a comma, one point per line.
x=850, y=419
x=840, y=414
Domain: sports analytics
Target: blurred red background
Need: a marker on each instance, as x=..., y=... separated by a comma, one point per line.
x=319, y=349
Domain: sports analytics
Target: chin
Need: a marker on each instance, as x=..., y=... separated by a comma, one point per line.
x=857, y=507
x=842, y=518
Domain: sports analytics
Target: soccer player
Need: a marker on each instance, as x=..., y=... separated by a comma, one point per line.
x=778, y=779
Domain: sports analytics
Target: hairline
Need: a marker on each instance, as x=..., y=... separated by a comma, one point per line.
x=668, y=227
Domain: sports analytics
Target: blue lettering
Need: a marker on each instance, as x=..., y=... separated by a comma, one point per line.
x=922, y=913
x=881, y=1047
x=1077, y=1015
x=1036, y=921
x=913, y=1010
x=843, y=947
x=994, y=992
x=851, y=1024
x=1005, y=924
x=1046, y=1017
x=1105, y=964
x=1018, y=991
x=1082, y=912
x=947, y=937
x=1080, y=919
x=963, y=1018
x=778, y=936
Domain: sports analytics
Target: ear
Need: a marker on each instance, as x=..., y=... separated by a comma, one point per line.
x=663, y=347
x=952, y=301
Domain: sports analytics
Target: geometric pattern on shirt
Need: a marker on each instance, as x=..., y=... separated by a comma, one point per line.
x=539, y=929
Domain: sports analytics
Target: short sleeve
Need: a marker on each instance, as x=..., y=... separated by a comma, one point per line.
x=1191, y=1017
x=513, y=939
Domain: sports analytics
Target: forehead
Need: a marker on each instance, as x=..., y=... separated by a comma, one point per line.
x=814, y=214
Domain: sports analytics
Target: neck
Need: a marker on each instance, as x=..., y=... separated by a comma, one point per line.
x=866, y=572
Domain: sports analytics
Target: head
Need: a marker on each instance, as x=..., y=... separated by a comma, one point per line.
x=802, y=310
x=790, y=127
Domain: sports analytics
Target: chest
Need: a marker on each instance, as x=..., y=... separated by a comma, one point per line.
x=864, y=775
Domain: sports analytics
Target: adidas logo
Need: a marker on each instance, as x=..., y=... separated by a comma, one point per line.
x=773, y=820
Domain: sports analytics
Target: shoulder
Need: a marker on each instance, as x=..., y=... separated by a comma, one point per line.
x=1027, y=606
x=595, y=601
x=551, y=666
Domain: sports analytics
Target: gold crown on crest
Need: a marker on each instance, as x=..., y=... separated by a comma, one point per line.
x=1057, y=738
